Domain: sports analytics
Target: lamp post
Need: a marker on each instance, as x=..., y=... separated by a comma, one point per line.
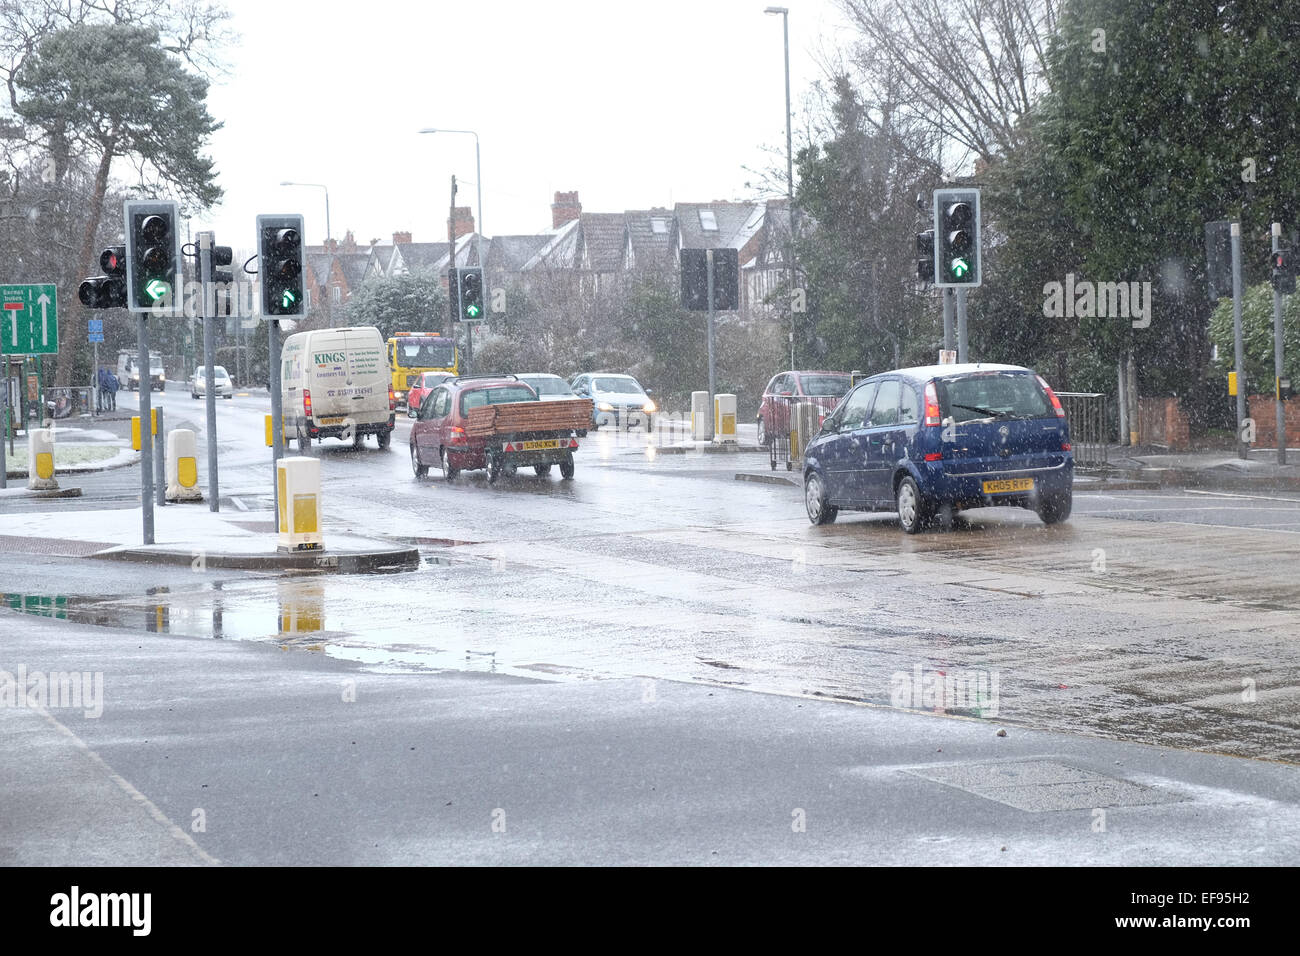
x=789, y=171
x=328, y=234
x=478, y=229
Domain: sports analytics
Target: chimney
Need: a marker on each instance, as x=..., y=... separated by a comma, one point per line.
x=566, y=208
x=331, y=246
x=463, y=223
x=401, y=238
x=349, y=242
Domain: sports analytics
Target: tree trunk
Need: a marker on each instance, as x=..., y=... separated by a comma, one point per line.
x=72, y=336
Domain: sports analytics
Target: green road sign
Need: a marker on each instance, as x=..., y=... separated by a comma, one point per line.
x=29, y=323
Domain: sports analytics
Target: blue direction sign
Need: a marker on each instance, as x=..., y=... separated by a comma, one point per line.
x=95, y=328
x=29, y=321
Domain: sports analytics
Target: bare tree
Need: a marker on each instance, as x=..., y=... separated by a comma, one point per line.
x=968, y=70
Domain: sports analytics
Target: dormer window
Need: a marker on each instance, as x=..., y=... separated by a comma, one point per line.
x=659, y=226
x=708, y=222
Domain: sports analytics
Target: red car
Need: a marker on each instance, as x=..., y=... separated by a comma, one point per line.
x=440, y=433
x=823, y=389
x=422, y=387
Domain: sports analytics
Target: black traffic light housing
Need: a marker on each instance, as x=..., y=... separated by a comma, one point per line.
x=280, y=250
x=1218, y=259
x=1283, y=262
x=107, y=291
x=925, y=255
x=695, y=280
x=469, y=293
x=153, y=257
x=957, y=238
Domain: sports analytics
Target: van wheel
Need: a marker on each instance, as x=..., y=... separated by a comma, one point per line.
x=913, y=509
x=1054, y=509
x=419, y=469
x=814, y=496
x=385, y=439
x=304, y=442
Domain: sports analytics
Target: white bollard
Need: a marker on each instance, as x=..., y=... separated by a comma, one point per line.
x=724, y=417
x=182, y=466
x=40, y=459
x=298, y=479
x=701, y=429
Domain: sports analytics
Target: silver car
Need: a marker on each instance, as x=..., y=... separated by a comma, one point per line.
x=221, y=383
x=619, y=400
x=549, y=388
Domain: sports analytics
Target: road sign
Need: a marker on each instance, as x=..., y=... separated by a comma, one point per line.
x=95, y=326
x=30, y=321
x=96, y=337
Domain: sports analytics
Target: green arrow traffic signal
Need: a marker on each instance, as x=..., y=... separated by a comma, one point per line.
x=960, y=267
x=156, y=289
x=472, y=311
x=288, y=299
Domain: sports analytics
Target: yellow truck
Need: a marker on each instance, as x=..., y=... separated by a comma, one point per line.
x=411, y=353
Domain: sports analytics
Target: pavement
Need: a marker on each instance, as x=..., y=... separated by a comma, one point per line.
x=208, y=752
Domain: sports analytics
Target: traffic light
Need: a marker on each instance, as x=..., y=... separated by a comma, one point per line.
x=957, y=238
x=453, y=292
x=279, y=241
x=153, y=257
x=1283, y=261
x=695, y=280
x=1218, y=259
x=107, y=291
x=925, y=255
x=470, y=283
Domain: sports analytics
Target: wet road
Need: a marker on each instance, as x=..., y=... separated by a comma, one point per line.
x=1169, y=618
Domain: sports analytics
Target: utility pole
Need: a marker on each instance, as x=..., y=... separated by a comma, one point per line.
x=1238, y=348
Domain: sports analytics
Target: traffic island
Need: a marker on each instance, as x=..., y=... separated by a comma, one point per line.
x=363, y=557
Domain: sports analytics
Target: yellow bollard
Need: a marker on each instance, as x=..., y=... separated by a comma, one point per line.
x=135, y=432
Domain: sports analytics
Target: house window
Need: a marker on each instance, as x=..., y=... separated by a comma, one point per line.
x=659, y=226
x=336, y=294
x=708, y=222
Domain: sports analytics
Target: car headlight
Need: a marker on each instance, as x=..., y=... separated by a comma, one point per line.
x=649, y=407
x=605, y=406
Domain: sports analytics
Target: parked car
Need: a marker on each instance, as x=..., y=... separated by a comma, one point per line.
x=924, y=440
x=424, y=384
x=823, y=389
x=334, y=383
x=619, y=400
x=523, y=431
x=221, y=383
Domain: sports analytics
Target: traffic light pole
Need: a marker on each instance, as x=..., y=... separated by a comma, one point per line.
x=708, y=255
x=146, y=420
x=1277, y=357
x=949, y=342
x=962, y=354
x=209, y=393
x=1237, y=346
x=277, y=411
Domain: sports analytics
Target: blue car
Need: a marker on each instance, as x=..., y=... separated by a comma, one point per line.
x=926, y=441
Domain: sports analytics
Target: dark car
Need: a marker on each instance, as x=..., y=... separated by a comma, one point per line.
x=923, y=440
x=823, y=389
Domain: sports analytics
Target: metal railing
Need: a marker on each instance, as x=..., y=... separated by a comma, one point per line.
x=1089, y=436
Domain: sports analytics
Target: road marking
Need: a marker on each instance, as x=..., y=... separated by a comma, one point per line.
x=1229, y=494
x=129, y=790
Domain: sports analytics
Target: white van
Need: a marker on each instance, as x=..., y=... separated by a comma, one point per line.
x=334, y=384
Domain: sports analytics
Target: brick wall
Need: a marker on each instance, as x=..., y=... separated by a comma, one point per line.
x=1263, y=409
x=1161, y=421
x=565, y=208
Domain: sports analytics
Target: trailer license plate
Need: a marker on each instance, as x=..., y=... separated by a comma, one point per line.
x=540, y=445
x=1008, y=484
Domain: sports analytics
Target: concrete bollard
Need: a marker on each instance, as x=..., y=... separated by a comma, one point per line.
x=701, y=427
x=182, y=466
x=724, y=417
x=298, y=482
x=40, y=459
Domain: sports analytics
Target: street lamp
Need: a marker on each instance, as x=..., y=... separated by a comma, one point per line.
x=478, y=183
x=789, y=169
x=328, y=234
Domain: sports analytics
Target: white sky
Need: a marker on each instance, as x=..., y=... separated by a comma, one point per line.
x=630, y=104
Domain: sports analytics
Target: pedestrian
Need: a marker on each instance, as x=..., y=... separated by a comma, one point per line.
x=101, y=389
x=113, y=386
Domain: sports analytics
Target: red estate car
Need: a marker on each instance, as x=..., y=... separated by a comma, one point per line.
x=439, y=433
x=823, y=389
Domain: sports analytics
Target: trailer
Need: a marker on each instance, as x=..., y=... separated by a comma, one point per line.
x=523, y=434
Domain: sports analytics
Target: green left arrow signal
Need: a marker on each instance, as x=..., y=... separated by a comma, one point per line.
x=156, y=289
